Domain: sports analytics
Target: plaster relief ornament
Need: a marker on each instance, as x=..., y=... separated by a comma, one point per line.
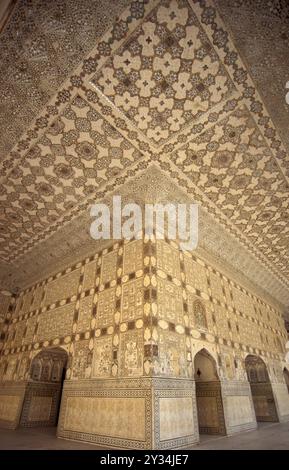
x=105, y=359
x=131, y=357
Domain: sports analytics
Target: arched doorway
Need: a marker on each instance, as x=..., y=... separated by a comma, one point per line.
x=286, y=377
x=208, y=394
x=43, y=393
x=261, y=389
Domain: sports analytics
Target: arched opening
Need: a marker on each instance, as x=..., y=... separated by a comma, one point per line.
x=261, y=389
x=208, y=394
x=286, y=377
x=43, y=393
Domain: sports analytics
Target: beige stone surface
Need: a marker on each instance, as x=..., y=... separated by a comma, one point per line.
x=40, y=408
x=9, y=407
x=114, y=417
x=176, y=417
x=239, y=410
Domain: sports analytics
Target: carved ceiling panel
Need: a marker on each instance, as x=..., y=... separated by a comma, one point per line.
x=41, y=45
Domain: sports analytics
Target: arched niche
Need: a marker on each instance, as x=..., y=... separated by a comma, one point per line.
x=208, y=395
x=43, y=394
x=205, y=367
x=261, y=389
x=45, y=364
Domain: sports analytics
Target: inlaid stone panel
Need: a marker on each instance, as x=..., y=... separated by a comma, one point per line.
x=131, y=353
x=133, y=257
x=108, y=267
x=89, y=276
x=62, y=288
x=170, y=302
x=106, y=416
x=168, y=259
x=102, y=357
x=106, y=308
x=85, y=313
x=40, y=408
x=56, y=323
x=132, y=300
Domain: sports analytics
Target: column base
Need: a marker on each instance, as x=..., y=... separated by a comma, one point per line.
x=143, y=413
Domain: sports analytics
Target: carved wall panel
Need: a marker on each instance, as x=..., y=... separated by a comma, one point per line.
x=243, y=302
x=131, y=353
x=40, y=408
x=85, y=313
x=216, y=286
x=133, y=257
x=89, y=276
x=172, y=355
x=27, y=299
x=132, y=300
x=62, y=288
x=8, y=407
x=108, y=267
x=102, y=357
x=168, y=259
x=81, y=359
x=197, y=312
x=170, y=302
x=105, y=308
x=195, y=274
x=30, y=329
x=19, y=333
x=56, y=323
x=37, y=298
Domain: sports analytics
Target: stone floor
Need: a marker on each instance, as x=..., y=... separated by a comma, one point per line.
x=268, y=436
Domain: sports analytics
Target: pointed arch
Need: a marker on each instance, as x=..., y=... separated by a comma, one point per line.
x=209, y=401
x=43, y=393
x=261, y=389
x=205, y=366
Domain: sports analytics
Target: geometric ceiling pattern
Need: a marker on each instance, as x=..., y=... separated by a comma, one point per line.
x=41, y=45
x=163, y=86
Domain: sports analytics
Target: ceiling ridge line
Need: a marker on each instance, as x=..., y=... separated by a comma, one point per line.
x=249, y=78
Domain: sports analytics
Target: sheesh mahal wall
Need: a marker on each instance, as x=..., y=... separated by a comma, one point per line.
x=138, y=344
x=155, y=344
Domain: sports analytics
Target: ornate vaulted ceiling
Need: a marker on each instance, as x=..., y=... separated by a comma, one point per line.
x=152, y=98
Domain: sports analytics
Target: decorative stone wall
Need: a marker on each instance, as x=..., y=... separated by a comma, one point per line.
x=131, y=319
x=11, y=400
x=40, y=406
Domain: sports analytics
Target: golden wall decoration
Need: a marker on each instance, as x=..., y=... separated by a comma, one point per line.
x=56, y=323
x=122, y=313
